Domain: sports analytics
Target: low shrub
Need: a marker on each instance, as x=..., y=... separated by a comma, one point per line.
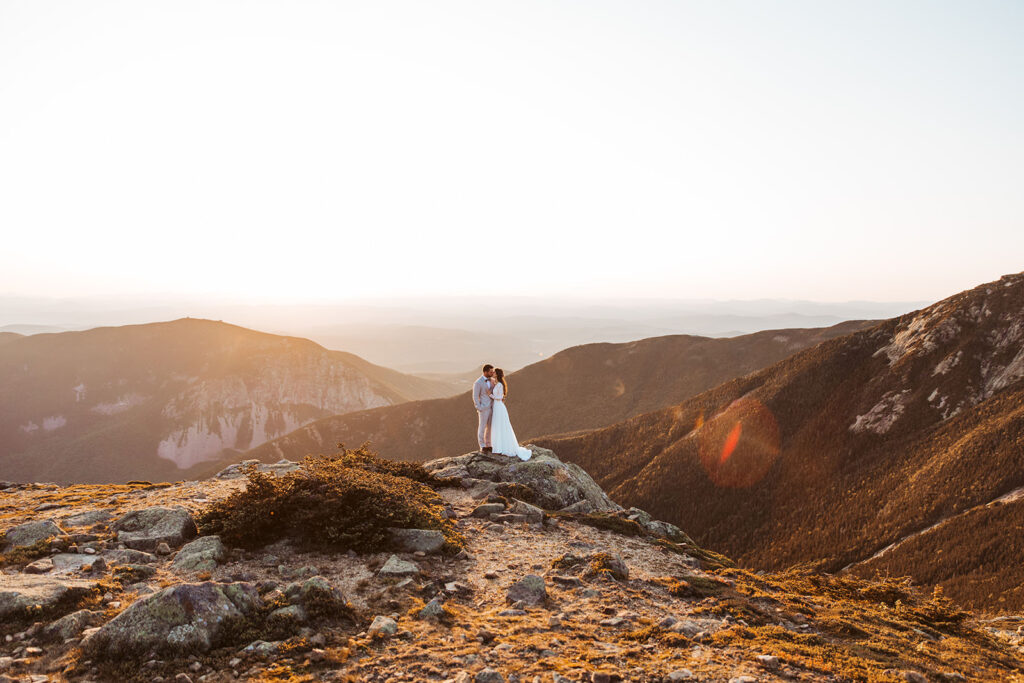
x=24, y=554
x=366, y=459
x=566, y=561
x=339, y=502
x=692, y=586
x=605, y=566
x=709, y=558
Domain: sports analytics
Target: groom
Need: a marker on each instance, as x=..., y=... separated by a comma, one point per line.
x=482, y=401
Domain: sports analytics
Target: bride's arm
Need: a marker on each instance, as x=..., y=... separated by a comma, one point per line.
x=498, y=391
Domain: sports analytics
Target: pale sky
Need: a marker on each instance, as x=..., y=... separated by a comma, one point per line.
x=324, y=150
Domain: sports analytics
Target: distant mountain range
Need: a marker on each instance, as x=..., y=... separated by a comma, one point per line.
x=455, y=334
x=897, y=448
x=581, y=388
x=154, y=401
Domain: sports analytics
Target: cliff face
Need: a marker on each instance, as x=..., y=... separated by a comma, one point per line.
x=279, y=395
x=145, y=400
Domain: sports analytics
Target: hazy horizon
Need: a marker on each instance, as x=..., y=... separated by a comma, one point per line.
x=453, y=334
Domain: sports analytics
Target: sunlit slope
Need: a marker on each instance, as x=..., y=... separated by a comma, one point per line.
x=835, y=453
x=584, y=387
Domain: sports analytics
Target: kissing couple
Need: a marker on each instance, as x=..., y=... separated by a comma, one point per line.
x=495, y=433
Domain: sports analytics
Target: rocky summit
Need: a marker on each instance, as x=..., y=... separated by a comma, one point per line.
x=522, y=571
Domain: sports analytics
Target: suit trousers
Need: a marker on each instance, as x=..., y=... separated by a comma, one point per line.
x=483, y=432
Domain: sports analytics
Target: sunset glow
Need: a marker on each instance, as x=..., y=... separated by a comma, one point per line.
x=321, y=151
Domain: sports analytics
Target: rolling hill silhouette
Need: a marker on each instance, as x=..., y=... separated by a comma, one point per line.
x=9, y=337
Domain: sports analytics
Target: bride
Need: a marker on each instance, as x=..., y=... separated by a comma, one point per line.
x=503, y=438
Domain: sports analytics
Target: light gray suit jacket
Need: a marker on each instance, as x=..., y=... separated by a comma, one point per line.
x=482, y=394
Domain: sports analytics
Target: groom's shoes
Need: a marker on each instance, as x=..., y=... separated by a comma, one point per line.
x=487, y=449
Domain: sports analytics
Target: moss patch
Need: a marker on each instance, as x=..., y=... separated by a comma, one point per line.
x=22, y=555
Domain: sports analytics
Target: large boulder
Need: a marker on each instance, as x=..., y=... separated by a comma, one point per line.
x=413, y=540
x=31, y=533
x=147, y=528
x=530, y=590
x=88, y=518
x=316, y=595
x=178, y=620
x=66, y=563
x=71, y=625
x=396, y=567
x=40, y=566
x=556, y=484
x=129, y=556
x=22, y=594
x=202, y=554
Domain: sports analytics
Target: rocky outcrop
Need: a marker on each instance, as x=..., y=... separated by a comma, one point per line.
x=237, y=471
x=88, y=518
x=71, y=625
x=21, y=593
x=554, y=484
x=202, y=554
x=146, y=529
x=551, y=483
x=31, y=533
x=188, y=617
x=413, y=540
x=66, y=563
x=653, y=526
x=129, y=556
x=529, y=590
x=397, y=568
x=314, y=594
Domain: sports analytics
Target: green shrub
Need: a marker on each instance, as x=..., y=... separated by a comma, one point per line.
x=340, y=502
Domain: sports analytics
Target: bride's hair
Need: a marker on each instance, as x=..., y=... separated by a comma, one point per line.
x=499, y=375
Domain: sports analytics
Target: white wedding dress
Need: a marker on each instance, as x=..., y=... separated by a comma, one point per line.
x=503, y=437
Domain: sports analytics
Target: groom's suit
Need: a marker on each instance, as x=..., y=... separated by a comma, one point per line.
x=482, y=401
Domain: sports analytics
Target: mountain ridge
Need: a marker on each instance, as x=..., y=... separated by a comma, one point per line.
x=145, y=400
x=583, y=387
x=940, y=387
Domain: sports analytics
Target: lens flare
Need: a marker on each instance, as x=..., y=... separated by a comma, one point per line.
x=738, y=445
x=731, y=442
